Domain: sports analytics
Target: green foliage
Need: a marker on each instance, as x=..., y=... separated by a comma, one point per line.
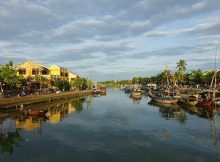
x=62, y=84
x=181, y=68
x=89, y=83
x=197, y=76
x=8, y=75
x=81, y=83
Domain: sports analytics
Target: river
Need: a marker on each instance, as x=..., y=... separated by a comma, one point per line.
x=111, y=128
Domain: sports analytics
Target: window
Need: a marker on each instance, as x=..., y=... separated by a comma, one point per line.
x=22, y=71
x=45, y=71
x=35, y=71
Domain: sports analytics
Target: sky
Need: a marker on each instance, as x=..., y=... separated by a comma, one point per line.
x=111, y=39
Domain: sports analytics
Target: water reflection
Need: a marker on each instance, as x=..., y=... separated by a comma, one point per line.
x=13, y=121
x=180, y=113
x=110, y=128
x=8, y=140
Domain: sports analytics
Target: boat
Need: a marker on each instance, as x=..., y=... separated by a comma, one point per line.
x=95, y=92
x=163, y=99
x=102, y=90
x=204, y=102
x=127, y=90
x=136, y=94
x=190, y=101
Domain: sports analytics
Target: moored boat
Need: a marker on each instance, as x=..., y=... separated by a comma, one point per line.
x=164, y=99
x=102, y=90
x=136, y=94
x=205, y=102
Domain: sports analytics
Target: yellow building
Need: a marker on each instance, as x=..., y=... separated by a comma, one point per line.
x=31, y=69
x=58, y=72
x=72, y=76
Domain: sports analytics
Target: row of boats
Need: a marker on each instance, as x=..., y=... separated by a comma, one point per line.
x=204, y=98
x=174, y=96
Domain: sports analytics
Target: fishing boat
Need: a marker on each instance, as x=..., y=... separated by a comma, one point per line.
x=163, y=99
x=102, y=90
x=136, y=94
x=128, y=90
x=205, y=102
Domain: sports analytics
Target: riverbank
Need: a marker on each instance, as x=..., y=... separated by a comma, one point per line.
x=27, y=100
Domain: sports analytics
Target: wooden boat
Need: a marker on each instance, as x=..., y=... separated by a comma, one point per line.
x=190, y=101
x=136, y=94
x=95, y=92
x=102, y=91
x=205, y=102
x=164, y=99
x=128, y=90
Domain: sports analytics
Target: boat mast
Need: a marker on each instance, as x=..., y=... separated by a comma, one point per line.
x=168, y=84
x=214, y=79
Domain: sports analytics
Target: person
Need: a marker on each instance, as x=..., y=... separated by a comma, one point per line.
x=23, y=93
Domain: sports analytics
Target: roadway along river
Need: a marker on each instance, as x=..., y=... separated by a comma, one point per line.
x=110, y=128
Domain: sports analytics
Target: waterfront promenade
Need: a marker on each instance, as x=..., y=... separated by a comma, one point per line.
x=27, y=100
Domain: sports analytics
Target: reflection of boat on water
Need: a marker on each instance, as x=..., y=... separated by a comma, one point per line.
x=170, y=111
x=37, y=112
x=161, y=105
x=136, y=95
x=190, y=101
x=189, y=109
x=136, y=101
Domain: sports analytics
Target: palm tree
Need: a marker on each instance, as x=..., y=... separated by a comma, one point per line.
x=181, y=68
x=197, y=76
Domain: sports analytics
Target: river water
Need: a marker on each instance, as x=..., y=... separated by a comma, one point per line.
x=111, y=128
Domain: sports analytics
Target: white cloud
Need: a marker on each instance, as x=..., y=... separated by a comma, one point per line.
x=85, y=31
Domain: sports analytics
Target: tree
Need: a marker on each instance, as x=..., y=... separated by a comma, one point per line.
x=197, y=76
x=89, y=83
x=62, y=84
x=8, y=75
x=79, y=83
x=181, y=68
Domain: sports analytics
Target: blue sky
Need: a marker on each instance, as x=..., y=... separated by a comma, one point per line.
x=111, y=39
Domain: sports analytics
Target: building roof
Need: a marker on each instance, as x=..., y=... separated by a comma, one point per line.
x=29, y=62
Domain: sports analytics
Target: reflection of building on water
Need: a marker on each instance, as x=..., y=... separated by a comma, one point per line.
x=71, y=108
x=55, y=118
x=59, y=112
x=29, y=124
x=56, y=114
